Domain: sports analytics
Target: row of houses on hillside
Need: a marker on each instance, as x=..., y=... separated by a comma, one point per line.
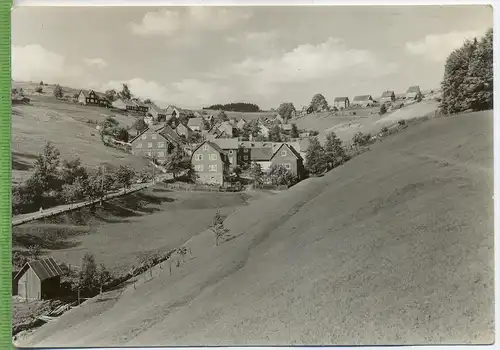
x=388, y=96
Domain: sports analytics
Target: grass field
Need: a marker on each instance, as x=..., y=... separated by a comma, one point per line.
x=394, y=247
x=65, y=125
x=150, y=221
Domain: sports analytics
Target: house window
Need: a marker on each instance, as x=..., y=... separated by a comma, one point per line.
x=230, y=151
x=212, y=167
x=198, y=167
x=246, y=157
x=283, y=153
x=213, y=156
x=161, y=154
x=161, y=144
x=199, y=156
x=144, y=136
x=150, y=145
x=153, y=136
x=288, y=166
x=205, y=147
x=139, y=145
x=148, y=154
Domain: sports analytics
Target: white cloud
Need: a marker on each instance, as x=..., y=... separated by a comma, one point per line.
x=437, y=47
x=307, y=62
x=96, y=62
x=33, y=62
x=168, y=22
x=163, y=22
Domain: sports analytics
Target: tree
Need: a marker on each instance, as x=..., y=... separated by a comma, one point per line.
x=41, y=83
x=75, y=190
x=334, y=152
x=359, y=139
x=383, y=109
x=315, y=157
x=111, y=95
x=34, y=252
x=72, y=169
x=46, y=172
x=125, y=93
x=294, y=132
x=286, y=110
x=222, y=116
x=281, y=176
x=218, y=227
x=318, y=103
x=175, y=162
x=275, y=134
x=39, y=89
x=124, y=176
x=148, y=101
x=121, y=134
x=140, y=125
x=256, y=174
x=58, y=91
x=103, y=276
x=88, y=277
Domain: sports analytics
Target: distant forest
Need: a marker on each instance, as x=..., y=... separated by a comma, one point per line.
x=235, y=107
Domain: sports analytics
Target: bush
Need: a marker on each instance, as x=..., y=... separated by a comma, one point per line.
x=39, y=89
x=361, y=140
x=402, y=122
x=383, y=109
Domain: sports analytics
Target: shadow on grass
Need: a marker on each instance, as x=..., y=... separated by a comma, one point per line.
x=20, y=165
x=26, y=240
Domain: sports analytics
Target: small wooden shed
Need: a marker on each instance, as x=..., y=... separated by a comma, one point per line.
x=38, y=279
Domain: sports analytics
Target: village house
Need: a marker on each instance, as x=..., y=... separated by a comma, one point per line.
x=230, y=147
x=92, y=98
x=132, y=106
x=289, y=158
x=38, y=280
x=262, y=156
x=341, y=102
x=210, y=164
x=241, y=124
x=388, y=97
x=226, y=130
x=196, y=124
x=156, y=143
x=413, y=93
x=157, y=114
x=185, y=131
x=362, y=101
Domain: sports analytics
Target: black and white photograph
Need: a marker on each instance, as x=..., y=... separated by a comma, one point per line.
x=252, y=175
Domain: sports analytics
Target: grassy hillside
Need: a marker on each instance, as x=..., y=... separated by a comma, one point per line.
x=70, y=127
x=387, y=249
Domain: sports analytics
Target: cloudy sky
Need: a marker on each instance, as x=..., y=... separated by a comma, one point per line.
x=197, y=56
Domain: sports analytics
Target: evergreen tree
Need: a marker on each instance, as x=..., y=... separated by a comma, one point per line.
x=125, y=93
x=58, y=91
x=275, y=134
x=294, y=132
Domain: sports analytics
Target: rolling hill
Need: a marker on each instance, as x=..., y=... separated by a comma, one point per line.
x=394, y=247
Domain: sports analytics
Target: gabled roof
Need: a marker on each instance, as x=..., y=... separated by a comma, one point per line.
x=164, y=131
x=340, y=99
x=414, y=88
x=157, y=109
x=363, y=98
x=261, y=153
x=43, y=268
x=86, y=93
x=388, y=93
x=227, y=143
x=211, y=144
x=294, y=152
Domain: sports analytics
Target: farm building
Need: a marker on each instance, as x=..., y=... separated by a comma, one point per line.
x=388, y=96
x=38, y=279
x=226, y=130
x=210, y=163
x=289, y=158
x=362, y=101
x=413, y=93
x=157, y=114
x=92, y=98
x=183, y=130
x=341, y=102
x=124, y=105
x=156, y=143
x=196, y=124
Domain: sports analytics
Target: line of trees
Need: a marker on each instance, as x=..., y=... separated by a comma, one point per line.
x=235, y=107
x=55, y=181
x=468, y=77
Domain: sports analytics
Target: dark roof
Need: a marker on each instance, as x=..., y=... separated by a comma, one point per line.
x=43, y=268
x=195, y=122
x=388, y=93
x=295, y=153
x=211, y=144
x=414, y=88
x=231, y=143
x=340, y=99
x=362, y=98
x=99, y=94
x=261, y=153
x=170, y=134
x=157, y=109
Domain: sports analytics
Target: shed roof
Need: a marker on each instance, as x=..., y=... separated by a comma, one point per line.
x=195, y=122
x=43, y=268
x=388, y=93
x=414, y=88
x=340, y=99
x=231, y=143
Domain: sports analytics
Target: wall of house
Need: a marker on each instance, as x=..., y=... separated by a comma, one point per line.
x=151, y=144
x=209, y=168
x=81, y=98
x=265, y=165
x=29, y=286
x=286, y=158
